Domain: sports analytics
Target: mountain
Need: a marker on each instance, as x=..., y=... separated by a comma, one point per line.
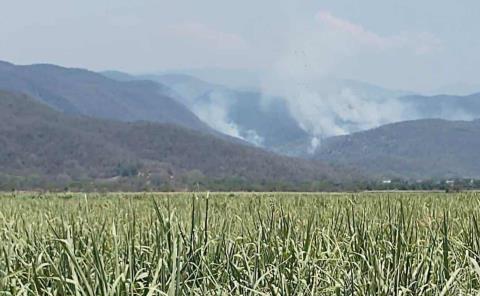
x=36, y=140
x=187, y=89
x=183, y=88
x=430, y=148
x=77, y=91
x=457, y=89
x=443, y=106
x=360, y=89
x=249, y=115
x=118, y=75
x=239, y=79
x=349, y=105
x=269, y=122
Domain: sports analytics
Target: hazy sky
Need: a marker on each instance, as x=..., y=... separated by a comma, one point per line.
x=408, y=44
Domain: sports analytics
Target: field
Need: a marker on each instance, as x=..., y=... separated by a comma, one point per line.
x=240, y=244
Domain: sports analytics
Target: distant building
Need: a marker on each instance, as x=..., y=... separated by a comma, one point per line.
x=450, y=182
x=387, y=182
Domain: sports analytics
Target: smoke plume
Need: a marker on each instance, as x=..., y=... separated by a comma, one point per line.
x=215, y=112
x=304, y=75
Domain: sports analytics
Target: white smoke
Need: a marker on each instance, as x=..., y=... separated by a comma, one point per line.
x=304, y=75
x=253, y=137
x=214, y=112
x=314, y=143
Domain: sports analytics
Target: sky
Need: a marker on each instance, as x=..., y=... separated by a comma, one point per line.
x=409, y=44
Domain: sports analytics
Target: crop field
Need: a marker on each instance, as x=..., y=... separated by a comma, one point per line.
x=240, y=244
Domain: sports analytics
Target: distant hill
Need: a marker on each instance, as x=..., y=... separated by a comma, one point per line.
x=443, y=106
x=77, y=91
x=363, y=90
x=269, y=117
x=413, y=149
x=457, y=89
x=187, y=88
x=263, y=121
x=239, y=79
x=268, y=121
x=35, y=140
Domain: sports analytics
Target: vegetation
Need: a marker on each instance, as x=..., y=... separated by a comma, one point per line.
x=66, y=151
x=240, y=244
x=419, y=149
x=82, y=92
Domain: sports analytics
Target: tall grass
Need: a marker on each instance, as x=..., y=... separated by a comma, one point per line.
x=240, y=244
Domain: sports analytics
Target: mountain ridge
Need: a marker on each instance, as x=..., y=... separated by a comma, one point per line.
x=79, y=91
x=37, y=140
x=427, y=148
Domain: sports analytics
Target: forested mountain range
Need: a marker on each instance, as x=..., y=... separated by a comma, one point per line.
x=82, y=92
x=42, y=144
x=429, y=148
